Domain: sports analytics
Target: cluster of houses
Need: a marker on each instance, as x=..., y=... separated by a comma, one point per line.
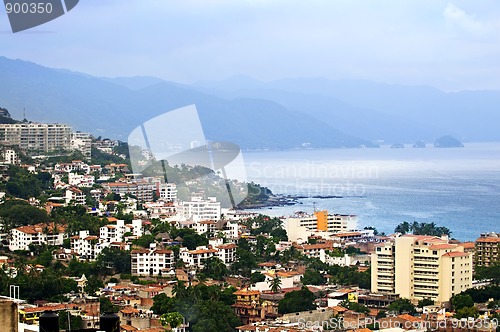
x=415, y=267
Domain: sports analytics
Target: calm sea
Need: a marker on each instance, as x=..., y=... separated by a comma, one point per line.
x=458, y=188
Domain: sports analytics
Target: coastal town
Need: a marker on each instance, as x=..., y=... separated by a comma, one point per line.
x=83, y=237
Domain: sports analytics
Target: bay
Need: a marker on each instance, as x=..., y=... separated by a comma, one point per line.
x=458, y=188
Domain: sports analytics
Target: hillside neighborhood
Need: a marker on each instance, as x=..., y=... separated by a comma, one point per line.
x=81, y=235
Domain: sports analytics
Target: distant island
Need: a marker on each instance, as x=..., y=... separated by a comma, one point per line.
x=448, y=142
x=419, y=144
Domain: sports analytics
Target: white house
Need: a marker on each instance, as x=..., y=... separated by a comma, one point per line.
x=50, y=234
x=75, y=195
x=195, y=258
x=79, y=180
x=85, y=245
x=151, y=262
x=168, y=192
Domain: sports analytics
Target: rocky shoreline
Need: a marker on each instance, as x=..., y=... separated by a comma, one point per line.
x=283, y=200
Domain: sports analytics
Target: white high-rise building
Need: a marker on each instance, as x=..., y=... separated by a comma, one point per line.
x=82, y=142
x=36, y=136
x=199, y=209
x=168, y=192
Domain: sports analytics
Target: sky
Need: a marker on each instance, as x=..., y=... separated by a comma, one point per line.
x=451, y=45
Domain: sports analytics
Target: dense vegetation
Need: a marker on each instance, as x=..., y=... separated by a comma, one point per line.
x=422, y=228
x=206, y=308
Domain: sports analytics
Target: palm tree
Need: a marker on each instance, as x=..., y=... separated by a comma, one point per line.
x=172, y=319
x=275, y=284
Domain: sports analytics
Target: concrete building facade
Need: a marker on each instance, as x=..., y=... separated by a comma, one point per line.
x=418, y=267
x=487, y=250
x=36, y=136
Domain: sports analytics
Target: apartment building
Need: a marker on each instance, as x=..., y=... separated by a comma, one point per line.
x=85, y=245
x=418, y=267
x=81, y=142
x=227, y=253
x=79, y=180
x=75, y=195
x=300, y=227
x=116, y=232
x=73, y=166
x=39, y=234
x=36, y=136
x=140, y=189
x=195, y=258
x=206, y=227
x=10, y=157
x=199, y=209
x=487, y=249
x=168, y=192
x=316, y=250
x=152, y=262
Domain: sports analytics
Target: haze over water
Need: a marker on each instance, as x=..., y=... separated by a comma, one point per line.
x=458, y=187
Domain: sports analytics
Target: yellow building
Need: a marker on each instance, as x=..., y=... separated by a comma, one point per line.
x=418, y=267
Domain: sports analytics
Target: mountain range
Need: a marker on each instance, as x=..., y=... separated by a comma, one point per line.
x=282, y=114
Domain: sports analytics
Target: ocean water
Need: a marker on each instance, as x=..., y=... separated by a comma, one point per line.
x=458, y=188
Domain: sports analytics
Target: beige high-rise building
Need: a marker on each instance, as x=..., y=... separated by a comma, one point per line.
x=418, y=267
x=487, y=250
x=36, y=136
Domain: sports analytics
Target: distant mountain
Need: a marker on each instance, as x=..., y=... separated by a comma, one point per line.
x=113, y=107
x=448, y=141
x=395, y=113
x=136, y=82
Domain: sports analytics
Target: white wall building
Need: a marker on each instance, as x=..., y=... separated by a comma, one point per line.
x=79, y=180
x=82, y=142
x=75, y=195
x=151, y=262
x=195, y=258
x=85, y=245
x=39, y=234
x=199, y=209
x=302, y=226
x=36, y=136
x=10, y=157
x=168, y=192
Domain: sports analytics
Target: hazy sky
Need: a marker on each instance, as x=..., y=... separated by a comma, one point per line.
x=448, y=44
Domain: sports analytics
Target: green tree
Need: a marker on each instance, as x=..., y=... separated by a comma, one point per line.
x=257, y=277
x=402, y=306
x=105, y=305
x=214, y=268
x=275, y=284
x=114, y=259
x=466, y=312
x=425, y=302
x=171, y=319
x=313, y=277
x=354, y=306
x=144, y=241
x=461, y=300
x=162, y=304
x=93, y=285
x=295, y=301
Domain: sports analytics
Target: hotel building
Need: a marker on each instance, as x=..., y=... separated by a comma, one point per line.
x=487, y=250
x=418, y=267
x=36, y=136
x=304, y=225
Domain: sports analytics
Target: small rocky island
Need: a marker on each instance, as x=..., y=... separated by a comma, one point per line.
x=448, y=142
